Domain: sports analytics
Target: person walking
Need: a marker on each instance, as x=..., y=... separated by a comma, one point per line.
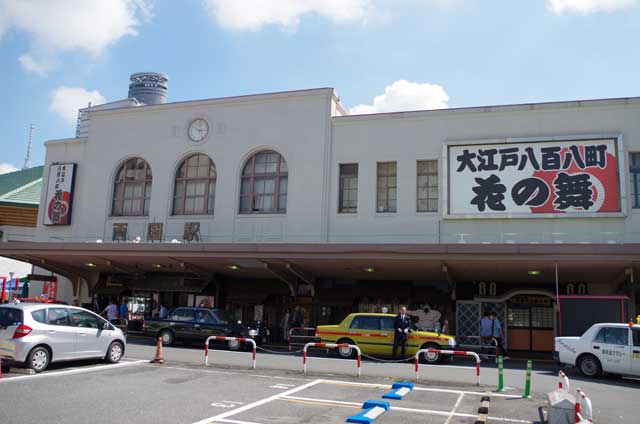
x=112, y=312
x=498, y=334
x=486, y=332
x=123, y=312
x=401, y=323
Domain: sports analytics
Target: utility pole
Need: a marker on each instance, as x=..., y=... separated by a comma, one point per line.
x=27, y=160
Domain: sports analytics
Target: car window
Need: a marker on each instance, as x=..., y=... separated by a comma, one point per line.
x=386, y=323
x=83, y=319
x=10, y=316
x=365, y=322
x=205, y=317
x=612, y=335
x=184, y=314
x=223, y=317
x=40, y=315
x=636, y=337
x=58, y=316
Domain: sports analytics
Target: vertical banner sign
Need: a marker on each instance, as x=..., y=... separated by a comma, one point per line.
x=534, y=178
x=60, y=194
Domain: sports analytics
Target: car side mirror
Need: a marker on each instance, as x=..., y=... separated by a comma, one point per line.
x=103, y=325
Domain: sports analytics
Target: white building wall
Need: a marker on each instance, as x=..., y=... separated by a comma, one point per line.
x=300, y=126
x=408, y=137
x=296, y=124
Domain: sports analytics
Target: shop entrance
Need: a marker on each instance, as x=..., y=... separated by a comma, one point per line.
x=530, y=323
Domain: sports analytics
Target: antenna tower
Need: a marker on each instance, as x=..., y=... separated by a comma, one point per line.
x=27, y=160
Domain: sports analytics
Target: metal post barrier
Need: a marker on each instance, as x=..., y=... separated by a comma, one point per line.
x=500, y=376
x=449, y=352
x=239, y=339
x=563, y=381
x=292, y=336
x=330, y=346
x=527, y=383
x=582, y=397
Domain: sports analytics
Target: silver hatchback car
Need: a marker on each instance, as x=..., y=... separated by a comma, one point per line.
x=37, y=334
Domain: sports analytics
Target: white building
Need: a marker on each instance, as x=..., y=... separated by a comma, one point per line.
x=280, y=199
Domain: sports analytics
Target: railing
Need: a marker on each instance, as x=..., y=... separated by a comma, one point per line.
x=582, y=397
x=563, y=381
x=448, y=352
x=306, y=338
x=330, y=346
x=239, y=339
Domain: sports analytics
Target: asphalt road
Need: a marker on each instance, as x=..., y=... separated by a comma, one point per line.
x=182, y=390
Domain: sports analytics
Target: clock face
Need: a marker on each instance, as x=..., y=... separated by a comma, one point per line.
x=198, y=129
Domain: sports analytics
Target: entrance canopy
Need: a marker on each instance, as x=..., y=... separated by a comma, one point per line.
x=307, y=262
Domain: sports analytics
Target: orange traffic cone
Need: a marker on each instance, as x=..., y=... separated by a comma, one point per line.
x=159, y=359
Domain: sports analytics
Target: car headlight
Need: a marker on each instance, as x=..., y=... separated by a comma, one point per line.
x=253, y=333
x=452, y=342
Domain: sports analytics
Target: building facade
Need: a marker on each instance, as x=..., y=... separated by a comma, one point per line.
x=265, y=202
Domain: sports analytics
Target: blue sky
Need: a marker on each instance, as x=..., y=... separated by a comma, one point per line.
x=411, y=54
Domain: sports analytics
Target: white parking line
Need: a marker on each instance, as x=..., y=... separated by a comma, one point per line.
x=71, y=371
x=224, y=415
x=455, y=407
x=422, y=389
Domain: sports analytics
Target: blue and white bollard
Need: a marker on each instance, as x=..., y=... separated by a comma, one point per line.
x=399, y=390
x=372, y=409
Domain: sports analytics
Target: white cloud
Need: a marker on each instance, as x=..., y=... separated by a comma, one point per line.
x=31, y=65
x=560, y=7
x=57, y=26
x=66, y=101
x=254, y=14
x=403, y=95
x=7, y=167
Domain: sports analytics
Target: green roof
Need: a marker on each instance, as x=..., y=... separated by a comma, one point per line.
x=21, y=188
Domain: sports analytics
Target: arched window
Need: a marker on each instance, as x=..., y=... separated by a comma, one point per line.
x=195, y=186
x=263, y=187
x=132, y=189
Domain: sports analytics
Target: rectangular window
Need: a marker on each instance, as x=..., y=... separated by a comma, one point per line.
x=387, y=187
x=58, y=316
x=427, y=184
x=348, y=202
x=634, y=171
x=365, y=322
x=613, y=335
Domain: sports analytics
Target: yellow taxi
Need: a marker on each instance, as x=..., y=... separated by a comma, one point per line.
x=373, y=334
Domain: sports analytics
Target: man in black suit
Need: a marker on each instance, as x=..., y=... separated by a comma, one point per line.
x=401, y=325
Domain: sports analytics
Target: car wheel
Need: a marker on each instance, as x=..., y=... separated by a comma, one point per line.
x=431, y=358
x=589, y=366
x=114, y=353
x=346, y=352
x=167, y=337
x=38, y=359
x=234, y=345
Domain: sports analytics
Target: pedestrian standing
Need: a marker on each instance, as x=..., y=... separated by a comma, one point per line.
x=163, y=311
x=401, y=323
x=498, y=334
x=285, y=326
x=112, y=312
x=486, y=331
x=123, y=310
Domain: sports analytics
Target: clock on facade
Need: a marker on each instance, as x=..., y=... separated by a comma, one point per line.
x=198, y=130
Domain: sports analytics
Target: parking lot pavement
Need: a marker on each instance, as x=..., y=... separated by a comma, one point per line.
x=184, y=391
x=333, y=401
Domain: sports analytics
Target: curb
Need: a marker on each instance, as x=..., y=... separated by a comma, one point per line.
x=483, y=411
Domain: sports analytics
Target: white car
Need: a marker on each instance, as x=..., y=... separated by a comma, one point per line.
x=37, y=334
x=610, y=348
